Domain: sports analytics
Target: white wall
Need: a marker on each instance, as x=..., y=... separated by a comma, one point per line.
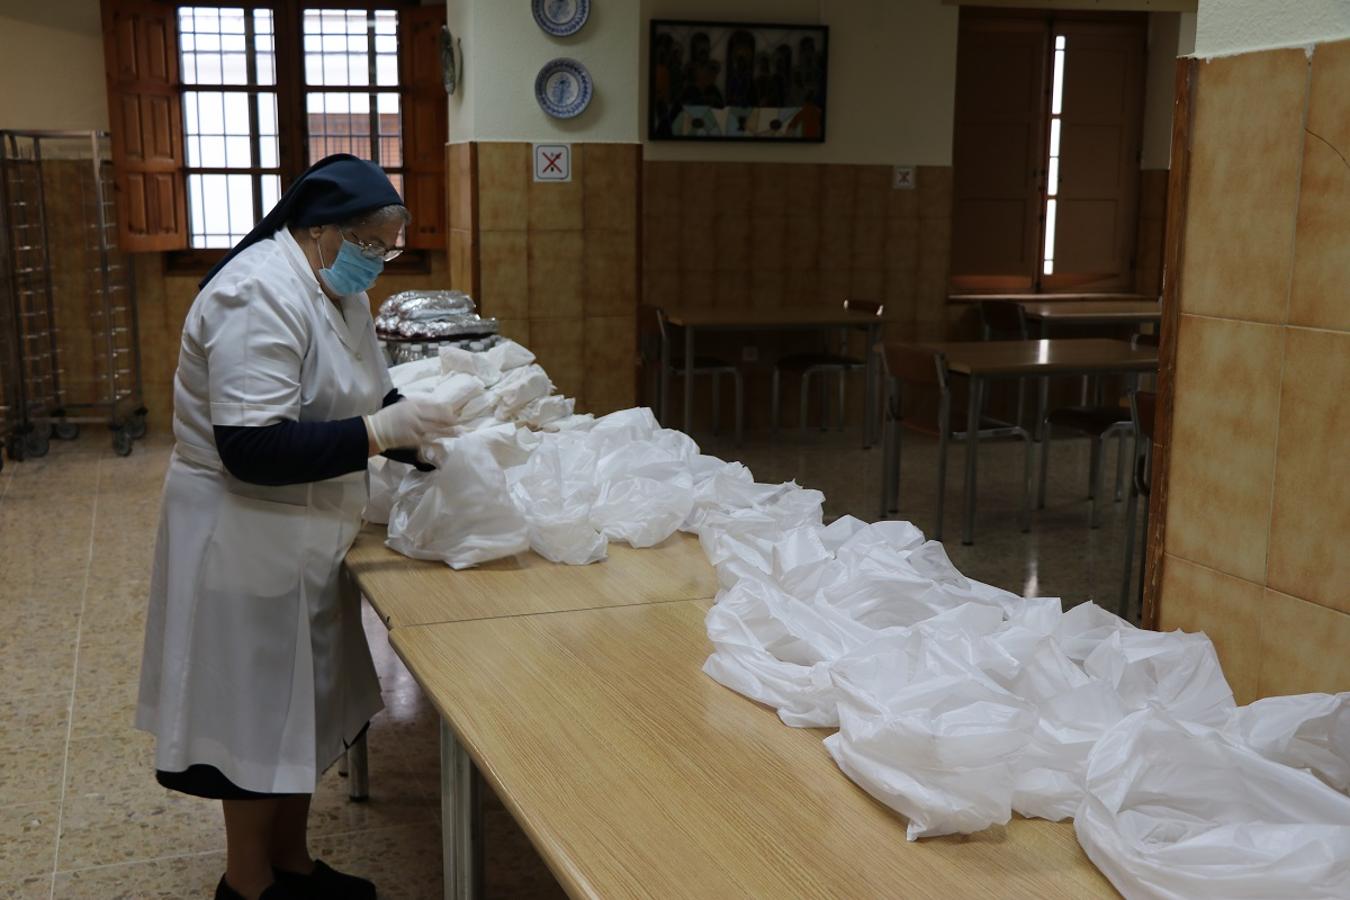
x=51, y=66
x=1226, y=27
x=891, y=80
x=503, y=52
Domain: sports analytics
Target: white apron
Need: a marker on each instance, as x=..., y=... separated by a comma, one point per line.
x=255, y=661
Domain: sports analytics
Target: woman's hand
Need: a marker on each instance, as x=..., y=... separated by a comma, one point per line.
x=410, y=423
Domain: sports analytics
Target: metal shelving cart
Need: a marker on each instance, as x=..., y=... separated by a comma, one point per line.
x=71, y=296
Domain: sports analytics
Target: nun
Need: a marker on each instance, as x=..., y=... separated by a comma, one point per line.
x=256, y=676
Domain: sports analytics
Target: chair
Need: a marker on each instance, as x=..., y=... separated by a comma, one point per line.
x=903, y=365
x=711, y=366
x=1005, y=320
x=807, y=365
x=1100, y=424
x=1143, y=410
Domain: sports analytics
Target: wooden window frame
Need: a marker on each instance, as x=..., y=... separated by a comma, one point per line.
x=292, y=123
x=1036, y=281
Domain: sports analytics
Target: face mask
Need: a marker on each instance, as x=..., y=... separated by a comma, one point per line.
x=351, y=272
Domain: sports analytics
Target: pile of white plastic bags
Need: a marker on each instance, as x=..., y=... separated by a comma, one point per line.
x=956, y=703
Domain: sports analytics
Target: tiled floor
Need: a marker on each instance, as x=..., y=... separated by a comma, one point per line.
x=80, y=813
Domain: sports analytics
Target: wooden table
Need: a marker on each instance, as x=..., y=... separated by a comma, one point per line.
x=636, y=775
x=407, y=592
x=1092, y=312
x=980, y=361
x=755, y=319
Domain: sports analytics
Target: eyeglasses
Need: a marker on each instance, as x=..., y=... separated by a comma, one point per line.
x=372, y=249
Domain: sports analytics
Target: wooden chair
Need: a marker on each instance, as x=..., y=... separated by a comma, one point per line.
x=1005, y=320
x=1099, y=424
x=915, y=367
x=709, y=366
x=1143, y=412
x=819, y=365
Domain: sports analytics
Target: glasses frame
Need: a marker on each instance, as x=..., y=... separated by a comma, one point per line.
x=373, y=250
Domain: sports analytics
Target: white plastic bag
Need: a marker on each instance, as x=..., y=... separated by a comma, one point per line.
x=461, y=513
x=927, y=732
x=554, y=491
x=1308, y=731
x=1176, y=671
x=643, y=494
x=518, y=388
x=385, y=477
x=1175, y=811
x=508, y=355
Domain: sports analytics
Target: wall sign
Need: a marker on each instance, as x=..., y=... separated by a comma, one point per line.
x=552, y=162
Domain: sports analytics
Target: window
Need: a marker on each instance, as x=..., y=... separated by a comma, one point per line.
x=1049, y=113
x=219, y=106
x=227, y=59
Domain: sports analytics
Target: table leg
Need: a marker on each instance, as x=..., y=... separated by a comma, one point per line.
x=665, y=377
x=688, y=379
x=1042, y=437
x=972, y=450
x=358, y=770
x=459, y=819
x=870, y=405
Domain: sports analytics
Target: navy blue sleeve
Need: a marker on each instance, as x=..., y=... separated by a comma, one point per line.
x=300, y=452
x=293, y=452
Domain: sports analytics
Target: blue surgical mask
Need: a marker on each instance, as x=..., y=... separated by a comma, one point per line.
x=351, y=272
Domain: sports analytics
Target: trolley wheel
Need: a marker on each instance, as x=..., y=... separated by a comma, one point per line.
x=136, y=426
x=122, y=441
x=36, y=444
x=65, y=431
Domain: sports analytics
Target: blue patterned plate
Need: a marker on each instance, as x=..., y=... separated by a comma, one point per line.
x=563, y=88
x=561, y=18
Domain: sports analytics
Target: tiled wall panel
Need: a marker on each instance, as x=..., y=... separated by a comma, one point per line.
x=1259, y=510
x=775, y=235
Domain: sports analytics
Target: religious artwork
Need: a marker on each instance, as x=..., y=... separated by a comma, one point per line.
x=732, y=81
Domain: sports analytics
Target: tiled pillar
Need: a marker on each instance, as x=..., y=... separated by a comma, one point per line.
x=1258, y=503
x=556, y=262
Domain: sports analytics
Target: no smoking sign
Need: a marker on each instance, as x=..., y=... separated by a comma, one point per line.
x=552, y=162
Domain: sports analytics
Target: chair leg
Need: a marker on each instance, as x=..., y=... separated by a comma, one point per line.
x=716, y=403
x=1045, y=464
x=843, y=379
x=941, y=481
x=822, y=378
x=740, y=407
x=1131, y=505
x=773, y=400
x=1027, y=469
x=1095, y=491
x=1120, y=466
x=806, y=396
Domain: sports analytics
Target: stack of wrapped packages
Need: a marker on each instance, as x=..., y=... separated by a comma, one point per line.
x=957, y=703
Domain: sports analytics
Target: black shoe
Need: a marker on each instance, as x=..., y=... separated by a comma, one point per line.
x=325, y=883
x=274, y=891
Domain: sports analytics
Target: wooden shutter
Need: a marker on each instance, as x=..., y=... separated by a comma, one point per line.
x=1099, y=156
x=425, y=124
x=998, y=152
x=140, y=48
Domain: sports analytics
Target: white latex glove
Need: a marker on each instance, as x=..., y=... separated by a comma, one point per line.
x=411, y=422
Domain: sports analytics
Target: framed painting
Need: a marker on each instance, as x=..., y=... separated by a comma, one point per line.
x=737, y=81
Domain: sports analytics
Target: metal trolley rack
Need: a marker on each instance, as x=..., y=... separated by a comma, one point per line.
x=68, y=295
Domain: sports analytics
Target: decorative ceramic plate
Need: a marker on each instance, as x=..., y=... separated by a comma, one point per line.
x=561, y=18
x=563, y=88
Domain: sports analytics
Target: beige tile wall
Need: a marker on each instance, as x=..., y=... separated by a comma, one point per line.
x=776, y=235
x=1258, y=518
x=556, y=262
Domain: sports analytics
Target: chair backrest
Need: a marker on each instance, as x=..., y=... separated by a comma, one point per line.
x=914, y=365
x=1144, y=409
x=866, y=307
x=1003, y=319
x=1144, y=340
